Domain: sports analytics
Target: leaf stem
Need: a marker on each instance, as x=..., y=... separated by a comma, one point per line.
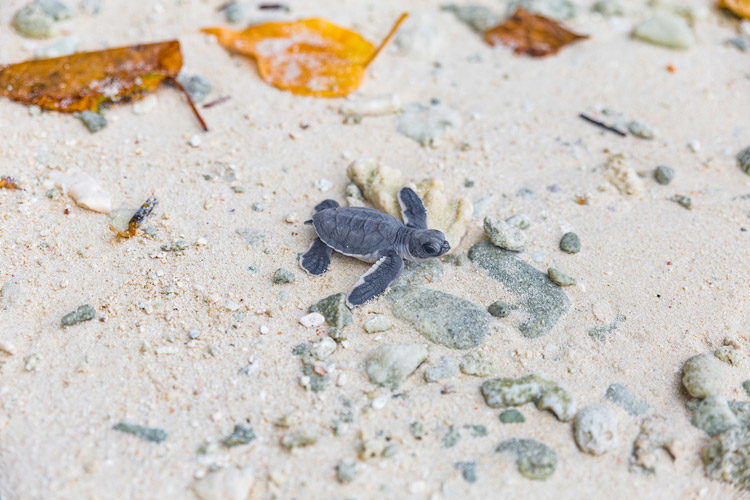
x=177, y=84
x=387, y=38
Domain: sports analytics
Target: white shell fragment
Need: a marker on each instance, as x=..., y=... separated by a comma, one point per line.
x=375, y=106
x=85, y=190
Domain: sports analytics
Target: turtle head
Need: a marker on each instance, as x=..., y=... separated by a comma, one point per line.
x=427, y=243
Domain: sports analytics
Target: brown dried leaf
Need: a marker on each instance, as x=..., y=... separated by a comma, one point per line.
x=308, y=57
x=739, y=7
x=531, y=34
x=86, y=80
x=9, y=183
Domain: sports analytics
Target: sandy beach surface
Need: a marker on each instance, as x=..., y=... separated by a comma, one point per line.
x=197, y=341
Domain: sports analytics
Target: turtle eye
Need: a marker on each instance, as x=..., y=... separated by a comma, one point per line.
x=429, y=249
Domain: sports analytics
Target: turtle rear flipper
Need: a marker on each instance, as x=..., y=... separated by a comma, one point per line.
x=317, y=258
x=377, y=279
x=325, y=204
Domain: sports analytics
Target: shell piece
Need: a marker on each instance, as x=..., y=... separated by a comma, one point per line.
x=380, y=185
x=85, y=190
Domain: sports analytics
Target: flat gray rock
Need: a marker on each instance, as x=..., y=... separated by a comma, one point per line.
x=441, y=317
x=542, y=301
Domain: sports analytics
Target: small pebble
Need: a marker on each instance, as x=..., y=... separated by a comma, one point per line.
x=559, y=277
x=504, y=235
x=667, y=30
x=237, y=11
x=176, y=246
x=595, y=429
x=746, y=386
x=478, y=364
x=446, y=369
x=570, y=243
x=390, y=364
x=713, y=415
x=609, y=8
x=312, y=320
x=512, y=416
x=195, y=85
x=740, y=42
x=499, y=309
x=33, y=22
x=85, y=312
x=468, y=471
x=323, y=348
x=239, y=436
x=282, y=276
x=451, y=437
x=377, y=323
x=694, y=145
x=534, y=460
x=663, y=174
x=195, y=141
x=702, y=376
x=622, y=397
x=743, y=160
x=641, y=130
x=152, y=434
x=257, y=207
x=683, y=201
x=94, y=122
x=521, y=221
x=346, y=470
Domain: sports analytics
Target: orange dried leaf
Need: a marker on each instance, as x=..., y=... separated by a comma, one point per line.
x=531, y=34
x=307, y=57
x=739, y=7
x=9, y=183
x=86, y=80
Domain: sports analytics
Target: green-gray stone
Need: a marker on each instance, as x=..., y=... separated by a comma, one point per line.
x=468, y=471
x=94, y=122
x=640, y=129
x=746, y=386
x=317, y=382
x=177, y=246
x=346, y=470
x=663, y=174
x=239, y=436
x=420, y=273
x=334, y=309
x=478, y=364
x=298, y=440
x=499, y=309
x=417, y=429
x=682, y=200
x=390, y=364
x=33, y=22
x=534, y=460
x=476, y=430
x=702, y=375
x=542, y=301
x=743, y=160
x=197, y=86
x=282, y=276
x=478, y=17
x=712, y=415
x=727, y=457
x=451, y=437
x=559, y=277
x=85, y=312
x=623, y=398
x=741, y=410
x=152, y=434
x=446, y=369
x=503, y=392
x=441, y=317
x=561, y=10
x=512, y=416
x=570, y=243
x=667, y=30
x=609, y=8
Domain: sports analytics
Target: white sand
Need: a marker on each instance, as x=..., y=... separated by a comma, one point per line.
x=520, y=118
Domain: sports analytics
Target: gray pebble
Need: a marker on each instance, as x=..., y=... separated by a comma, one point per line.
x=152, y=434
x=468, y=471
x=561, y=10
x=390, y=364
x=33, y=22
x=609, y=8
x=317, y=382
x=570, y=243
x=683, y=201
x=447, y=368
x=534, y=460
x=559, y=277
x=478, y=17
x=258, y=207
x=727, y=457
x=702, y=376
x=417, y=429
x=239, y=436
x=346, y=470
x=282, y=276
x=94, y=122
x=236, y=12
x=85, y=312
x=512, y=416
x=667, y=30
x=451, y=437
x=663, y=174
x=377, y=323
x=541, y=301
x=746, y=386
x=713, y=415
x=195, y=85
x=740, y=42
x=499, y=309
x=177, y=246
x=595, y=429
x=641, y=130
x=442, y=318
x=504, y=392
x=623, y=398
x=504, y=235
x=478, y=364
x=743, y=160
x=55, y=9
x=334, y=309
x=420, y=273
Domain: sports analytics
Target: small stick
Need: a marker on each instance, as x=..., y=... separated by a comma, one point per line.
x=273, y=6
x=177, y=84
x=387, y=37
x=602, y=125
x=216, y=102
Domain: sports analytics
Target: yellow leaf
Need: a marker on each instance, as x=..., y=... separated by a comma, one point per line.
x=739, y=7
x=307, y=57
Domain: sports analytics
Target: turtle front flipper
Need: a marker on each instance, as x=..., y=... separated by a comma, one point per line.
x=377, y=279
x=317, y=258
x=412, y=209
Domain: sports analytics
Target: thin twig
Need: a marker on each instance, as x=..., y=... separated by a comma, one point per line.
x=177, y=84
x=387, y=38
x=602, y=125
x=216, y=102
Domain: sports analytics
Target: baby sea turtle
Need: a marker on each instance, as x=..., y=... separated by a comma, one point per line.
x=373, y=236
